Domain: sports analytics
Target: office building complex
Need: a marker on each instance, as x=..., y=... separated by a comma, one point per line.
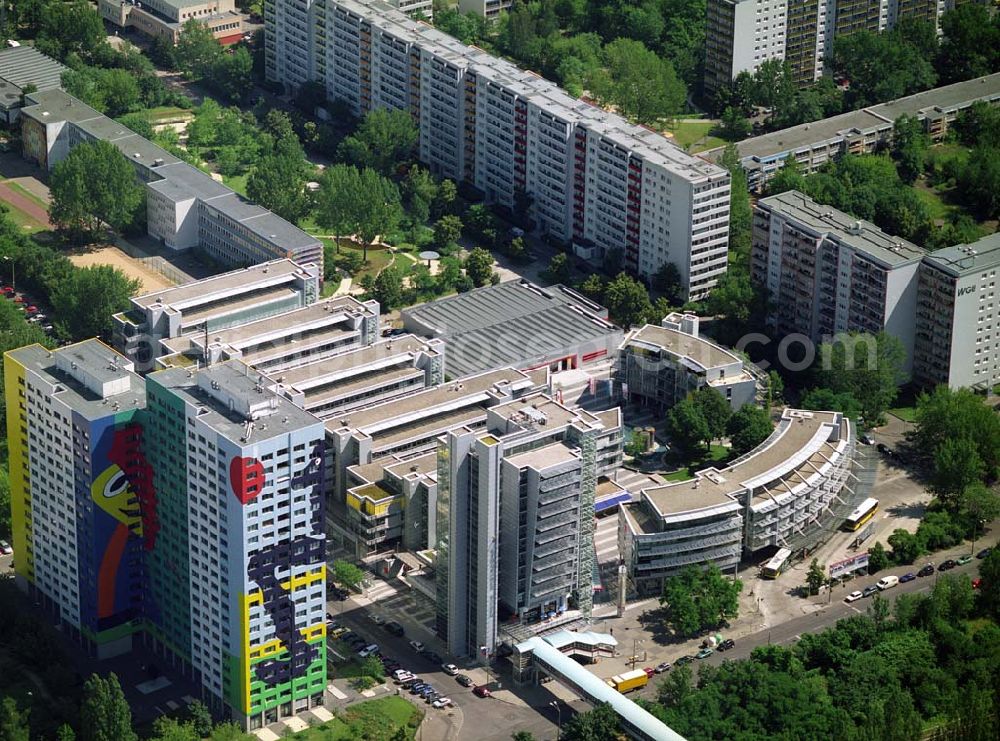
x=166, y=18
x=784, y=493
x=858, y=132
x=516, y=323
x=515, y=529
x=184, y=206
x=592, y=178
x=958, y=317
x=800, y=32
x=828, y=273
x=215, y=303
x=739, y=36
x=659, y=366
x=184, y=512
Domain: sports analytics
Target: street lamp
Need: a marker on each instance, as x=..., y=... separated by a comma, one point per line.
x=555, y=704
x=635, y=651
x=8, y=258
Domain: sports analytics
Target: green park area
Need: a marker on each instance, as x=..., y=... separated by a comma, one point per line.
x=384, y=719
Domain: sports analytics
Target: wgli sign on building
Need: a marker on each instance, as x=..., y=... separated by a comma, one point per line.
x=848, y=565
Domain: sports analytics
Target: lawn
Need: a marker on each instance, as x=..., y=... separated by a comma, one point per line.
x=21, y=190
x=907, y=414
x=687, y=132
x=164, y=113
x=936, y=207
x=237, y=183
x=377, y=720
x=21, y=219
x=716, y=454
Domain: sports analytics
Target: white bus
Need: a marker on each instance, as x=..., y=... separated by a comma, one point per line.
x=772, y=569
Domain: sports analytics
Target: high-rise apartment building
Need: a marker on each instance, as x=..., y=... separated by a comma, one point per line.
x=515, y=524
x=828, y=273
x=958, y=317
x=183, y=512
x=740, y=35
x=592, y=178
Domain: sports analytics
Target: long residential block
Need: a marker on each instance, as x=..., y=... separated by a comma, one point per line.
x=184, y=206
x=592, y=178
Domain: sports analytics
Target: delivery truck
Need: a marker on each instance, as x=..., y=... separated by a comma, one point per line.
x=629, y=681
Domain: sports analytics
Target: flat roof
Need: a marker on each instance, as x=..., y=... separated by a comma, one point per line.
x=25, y=65
x=799, y=437
x=385, y=354
x=220, y=286
x=962, y=259
x=453, y=395
x=510, y=323
x=777, y=144
x=182, y=182
x=542, y=406
x=702, y=352
x=862, y=235
x=544, y=457
x=238, y=380
x=596, y=689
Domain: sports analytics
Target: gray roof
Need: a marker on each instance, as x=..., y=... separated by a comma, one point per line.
x=509, y=323
x=962, y=259
x=24, y=65
x=778, y=144
x=182, y=182
x=862, y=235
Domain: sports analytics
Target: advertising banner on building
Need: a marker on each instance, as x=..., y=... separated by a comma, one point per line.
x=848, y=565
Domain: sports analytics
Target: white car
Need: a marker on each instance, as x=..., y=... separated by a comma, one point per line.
x=399, y=672
x=368, y=651
x=853, y=596
x=5, y=548
x=450, y=669
x=417, y=646
x=442, y=702
x=405, y=677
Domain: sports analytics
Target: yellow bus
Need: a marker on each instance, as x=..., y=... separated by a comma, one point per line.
x=772, y=569
x=864, y=512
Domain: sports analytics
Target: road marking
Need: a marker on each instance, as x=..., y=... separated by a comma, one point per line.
x=855, y=609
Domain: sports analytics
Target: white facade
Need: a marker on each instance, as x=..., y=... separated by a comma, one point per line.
x=591, y=178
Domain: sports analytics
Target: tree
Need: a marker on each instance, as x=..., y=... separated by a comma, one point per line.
x=989, y=588
x=909, y=147
x=166, y=728
x=420, y=191
x=447, y=230
x=84, y=302
x=559, y=269
x=979, y=182
x=698, y=599
x=197, y=50
x=362, y=202
x=70, y=28
x=14, y=724
x=877, y=558
x=277, y=183
x=65, y=732
x=385, y=139
x=788, y=177
x=627, y=301
x=734, y=127
x=775, y=387
x=104, y=714
x=740, y=214
x=94, y=184
x=372, y=667
x=867, y=367
x=944, y=414
x=201, y=718
x=598, y=724
x=444, y=200
x=667, y=281
x=978, y=505
x=815, y=577
x=773, y=86
x=957, y=466
x=111, y=91
x=748, y=428
x=677, y=687
x=643, y=86
x=229, y=732
x=881, y=67
x=905, y=546
x=522, y=736
x=715, y=410
x=971, y=40
x=347, y=574
x=388, y=290
x=593, y=288
x=687, y=428
x=479, y=266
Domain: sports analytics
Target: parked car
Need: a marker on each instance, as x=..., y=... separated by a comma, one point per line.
x=428, y=690
x=976, y=583
x=378, y=620
x=432, y=657
x=867, y=439
x=397, y=673
x=869, y=590
x=339, y=594
x=887, y=582
x=409, y=682
x=450, y=669
x=926, y=570
x=663, y=667
x=727, y=644
x=442, y=702
x=984, y=553
x=947, y=564
x=482, y=691
x=650, y=671
x=401, y=678
x=464, y=680
x=395, y=628
x=5, y=548
x=964, y=560
x=705, y=653
x=417, y=686
x=337, y=632
x=684, y=660
x=908, y=576
x=417, y=646
x=368, y=650
x=853, y=596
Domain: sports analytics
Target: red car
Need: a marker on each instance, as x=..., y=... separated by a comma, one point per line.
x=650, y=671
x=32, y=309
x=481, y=691
x=20, y=300
x=976, y=583
x=8, y=290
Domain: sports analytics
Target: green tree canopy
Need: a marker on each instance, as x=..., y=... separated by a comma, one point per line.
x=868, y=367
x=347, y=574
x=627, y=301
x=715, y=410
x=278, y=183
x=643, y=86
x=84, y=303
x=104, y=713
x=748, y=428
x=385, y=139
x=388, y=290
x=479, y=266
x=687, y=428
x=699, y=599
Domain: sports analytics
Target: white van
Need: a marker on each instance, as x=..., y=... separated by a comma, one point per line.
x=887, y=582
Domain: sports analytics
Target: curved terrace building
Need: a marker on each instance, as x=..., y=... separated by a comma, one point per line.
x=784, y=492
